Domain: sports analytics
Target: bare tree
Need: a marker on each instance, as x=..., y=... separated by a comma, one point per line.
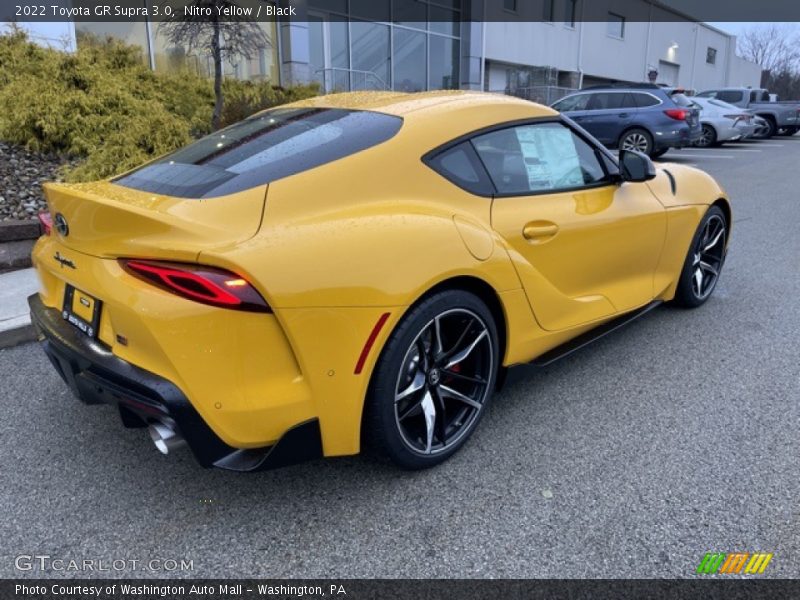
x=775, y=48
x=205, y=29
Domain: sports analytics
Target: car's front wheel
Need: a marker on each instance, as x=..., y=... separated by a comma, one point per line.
x=703, y=264
x=433, y=381
x=637, y=139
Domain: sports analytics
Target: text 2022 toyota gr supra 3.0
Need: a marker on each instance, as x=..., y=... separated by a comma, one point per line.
x=359, y=269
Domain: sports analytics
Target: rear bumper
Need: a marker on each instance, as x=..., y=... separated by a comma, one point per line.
x=676, y=137
x=96, y=376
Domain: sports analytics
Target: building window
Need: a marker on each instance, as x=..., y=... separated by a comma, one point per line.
x=409, y=60
x=711, y=56
x=133, y=34
x=570, y=12
x=369, y=48
x=510, y=5
x=615, y=26
x=549, y=11
x=443, y=63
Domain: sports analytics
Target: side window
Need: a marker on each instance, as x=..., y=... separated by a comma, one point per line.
x=628, y=101
x=576, y=102
x=543, y=157
x=461, y=166
x=645, y=100
x=607, y=101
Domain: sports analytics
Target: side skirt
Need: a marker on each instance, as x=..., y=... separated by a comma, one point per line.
x=587, y=338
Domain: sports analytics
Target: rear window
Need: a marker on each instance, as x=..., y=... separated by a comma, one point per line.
x=265, y=147
x=730, y=96
x=681, y=100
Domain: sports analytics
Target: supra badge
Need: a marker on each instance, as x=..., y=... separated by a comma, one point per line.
x=64, y=261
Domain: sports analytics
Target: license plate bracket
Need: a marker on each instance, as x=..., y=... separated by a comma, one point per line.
x=81, y=310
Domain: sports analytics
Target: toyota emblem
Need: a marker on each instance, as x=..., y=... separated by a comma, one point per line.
x=60, y=224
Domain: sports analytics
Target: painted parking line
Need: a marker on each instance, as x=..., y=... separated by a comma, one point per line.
x=737, y=149
x=698, y=155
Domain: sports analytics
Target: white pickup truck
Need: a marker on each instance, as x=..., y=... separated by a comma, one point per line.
x=783, y=117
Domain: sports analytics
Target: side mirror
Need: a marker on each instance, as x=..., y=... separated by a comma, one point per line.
x=635, y=166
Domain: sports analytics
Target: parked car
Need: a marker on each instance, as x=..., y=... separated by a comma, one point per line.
x=640, y=117
x=781, y=117
x=359, y=266
x=723, y=122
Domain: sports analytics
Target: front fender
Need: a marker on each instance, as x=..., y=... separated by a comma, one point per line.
x=686, y=194
x=687, y=186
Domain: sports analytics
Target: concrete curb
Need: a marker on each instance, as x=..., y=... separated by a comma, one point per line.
x=19, y=335
x=15, y=321
x=16, y=242
x=15, y=230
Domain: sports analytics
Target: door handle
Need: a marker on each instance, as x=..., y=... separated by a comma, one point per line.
x=623, y=115
x=539, y=230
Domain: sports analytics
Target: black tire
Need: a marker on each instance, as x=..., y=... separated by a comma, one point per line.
x=637, y=139
x=659, y=153
x=397, y=422
x=709, y=137
x=772, y=127
x=706, y=257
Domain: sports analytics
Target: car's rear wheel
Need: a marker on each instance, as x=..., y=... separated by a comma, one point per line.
x=707, y=138
x=637, y=139
x=703, y=264
x=433, y=381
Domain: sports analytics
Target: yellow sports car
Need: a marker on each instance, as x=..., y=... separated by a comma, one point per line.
x=359, y=269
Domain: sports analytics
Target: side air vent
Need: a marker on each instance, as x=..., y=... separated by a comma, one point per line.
x=672, y=183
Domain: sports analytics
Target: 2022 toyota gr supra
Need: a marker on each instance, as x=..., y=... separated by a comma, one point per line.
x=359, y=269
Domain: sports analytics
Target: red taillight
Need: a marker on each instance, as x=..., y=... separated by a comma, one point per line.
x=45, y=223
x=678, y=114
x=208, y=285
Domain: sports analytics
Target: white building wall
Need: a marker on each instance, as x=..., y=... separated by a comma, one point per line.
x=666, y=46
x=744, y=73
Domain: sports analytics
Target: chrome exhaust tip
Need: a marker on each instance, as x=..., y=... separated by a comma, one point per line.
x=165, y=438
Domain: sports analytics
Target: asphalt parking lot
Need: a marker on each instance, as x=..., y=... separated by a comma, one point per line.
x=676, y=436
